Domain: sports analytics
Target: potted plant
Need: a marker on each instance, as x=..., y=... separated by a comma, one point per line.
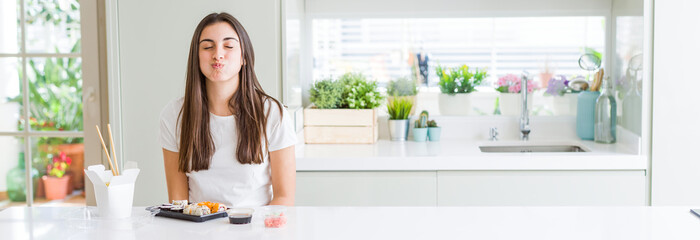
x=434, y=131
x=326, y=94
x=399, y=110
x=455, y=86
x=564, y=100
x=420, y=129
x=56, y=181
x=343, y=111
x=510, y=100
x=402, y=88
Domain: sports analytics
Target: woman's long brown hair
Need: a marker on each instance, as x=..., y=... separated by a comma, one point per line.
x=247, y=105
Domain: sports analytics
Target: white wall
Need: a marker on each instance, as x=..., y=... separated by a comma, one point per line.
x=675, y=134
x=154, y=38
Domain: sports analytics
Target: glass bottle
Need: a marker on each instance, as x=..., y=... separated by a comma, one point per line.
x=605, y=115
x=631, y=118
x=16, y=183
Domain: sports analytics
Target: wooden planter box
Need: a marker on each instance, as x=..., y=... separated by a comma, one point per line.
x=340, y=125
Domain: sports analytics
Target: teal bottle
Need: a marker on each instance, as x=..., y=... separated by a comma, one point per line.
x=605, y=115
x=585, y=114
x=16, y=185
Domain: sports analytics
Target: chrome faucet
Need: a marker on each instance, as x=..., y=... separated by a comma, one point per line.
x=524, y=116
x=493, y=134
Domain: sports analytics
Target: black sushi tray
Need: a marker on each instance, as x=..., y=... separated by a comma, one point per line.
x=182, y=216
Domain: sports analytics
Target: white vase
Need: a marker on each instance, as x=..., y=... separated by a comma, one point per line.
x=512, y=103
x=457, y=104
x=565, y=105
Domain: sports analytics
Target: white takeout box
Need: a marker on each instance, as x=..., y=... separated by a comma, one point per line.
x=115, y=200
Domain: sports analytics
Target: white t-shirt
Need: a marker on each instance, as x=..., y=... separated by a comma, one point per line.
x=228, y=181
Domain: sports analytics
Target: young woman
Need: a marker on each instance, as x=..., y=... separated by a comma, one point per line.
x=226, y=140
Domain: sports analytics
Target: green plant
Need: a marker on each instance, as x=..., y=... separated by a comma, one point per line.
x=402, y=87
x=399, y=108
x=422, y=121
x=358, y=92
x=326, y=94
x=447, y=80
x=459, y=79
x=432, y=123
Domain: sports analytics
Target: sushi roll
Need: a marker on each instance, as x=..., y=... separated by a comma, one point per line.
x=180, y=202
x=205, y=210
x=201, y=210
x=220, y=208
x=176, y=208
x=213, y=207
x=189, y=209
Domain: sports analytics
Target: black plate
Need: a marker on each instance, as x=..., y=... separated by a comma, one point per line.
x=193, y=218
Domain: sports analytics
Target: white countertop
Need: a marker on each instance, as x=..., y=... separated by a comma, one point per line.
x=462, y=155
x=666, y=223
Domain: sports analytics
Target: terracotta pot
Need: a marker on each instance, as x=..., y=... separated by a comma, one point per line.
x=77, y=154
x=55, y=187
x=40, y=189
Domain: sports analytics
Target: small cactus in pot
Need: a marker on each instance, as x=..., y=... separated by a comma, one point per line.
x=434, y=131
x=420, y=129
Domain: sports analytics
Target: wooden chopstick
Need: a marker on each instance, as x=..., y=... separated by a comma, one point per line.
x=106, y=152
x=111, y=144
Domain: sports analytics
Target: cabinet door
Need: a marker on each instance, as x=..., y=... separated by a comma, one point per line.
x=366, y=189
x=541, y=188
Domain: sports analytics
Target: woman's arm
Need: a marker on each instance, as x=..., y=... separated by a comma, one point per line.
x=176, y=180
x=283, y=173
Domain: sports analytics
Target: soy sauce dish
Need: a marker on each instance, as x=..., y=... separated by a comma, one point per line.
x=240, y=215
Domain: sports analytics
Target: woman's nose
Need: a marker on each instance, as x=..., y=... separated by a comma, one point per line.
x=219, y=55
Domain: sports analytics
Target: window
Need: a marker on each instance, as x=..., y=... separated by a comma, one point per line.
x=41, y=107
x=381, y=48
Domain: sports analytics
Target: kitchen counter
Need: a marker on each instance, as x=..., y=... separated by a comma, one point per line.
x=665, y=223
x=388, y=155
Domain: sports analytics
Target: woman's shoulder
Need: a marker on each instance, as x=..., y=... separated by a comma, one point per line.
x=274, y=108
x=172, y=109
x=272, y=104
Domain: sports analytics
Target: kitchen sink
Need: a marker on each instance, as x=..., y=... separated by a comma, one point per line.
x=532, y=148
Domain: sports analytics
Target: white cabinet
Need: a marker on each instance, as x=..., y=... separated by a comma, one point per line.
x=366, y=188
x=541, y=188
x=471, y=188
